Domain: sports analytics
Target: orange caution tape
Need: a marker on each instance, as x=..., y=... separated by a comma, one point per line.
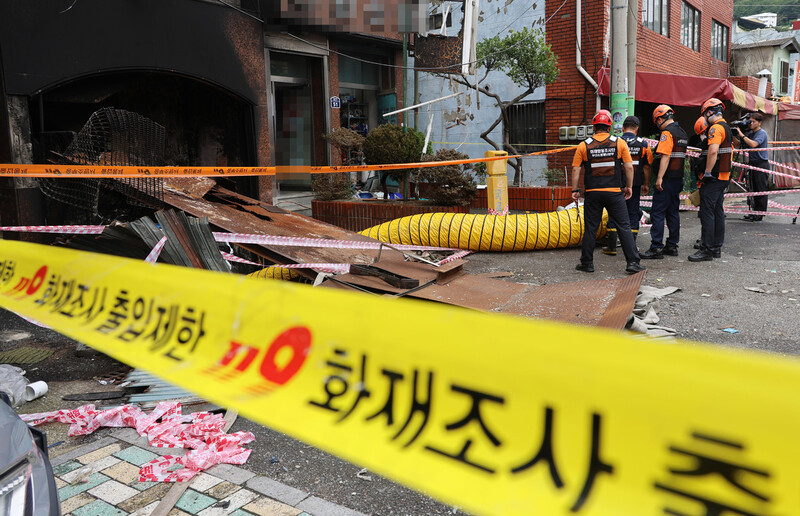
x=552, y=151
x=95, y=171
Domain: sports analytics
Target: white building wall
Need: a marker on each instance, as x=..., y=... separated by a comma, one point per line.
x=459, y=122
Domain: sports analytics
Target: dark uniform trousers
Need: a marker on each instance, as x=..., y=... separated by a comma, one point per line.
x=759, y=182
x=712, y=216
x=632, y=205
x=666, y=204
x=614, y=203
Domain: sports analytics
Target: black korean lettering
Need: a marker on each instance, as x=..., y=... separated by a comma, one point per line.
x=64, y=294
x=388, y=406
x=336, y=384
x=164, y=327
x=50, y=290
x=90, y=311
x=596, y=465
x=189, y=332
x=363, y=392
x=79, y=306
x=117, y=314
x=7, y=271
x=141, y=314
x=418, y=407
x=474, y=414
x=76, y=302
x=545, y=453
x=718, y=457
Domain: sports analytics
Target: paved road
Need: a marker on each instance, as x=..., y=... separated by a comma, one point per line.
x=714, y=295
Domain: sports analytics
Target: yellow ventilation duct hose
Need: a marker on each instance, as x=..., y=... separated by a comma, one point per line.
x=527, y=232
x=278, y=273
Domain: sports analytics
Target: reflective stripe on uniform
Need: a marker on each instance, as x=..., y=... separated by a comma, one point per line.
x=603, y=164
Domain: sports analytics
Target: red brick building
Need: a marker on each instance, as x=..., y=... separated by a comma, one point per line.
x=693, y=39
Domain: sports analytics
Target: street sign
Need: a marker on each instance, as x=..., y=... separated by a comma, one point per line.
x=336, y=102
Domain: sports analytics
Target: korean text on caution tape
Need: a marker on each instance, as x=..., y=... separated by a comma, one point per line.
x=496, y=414
x=122, y=172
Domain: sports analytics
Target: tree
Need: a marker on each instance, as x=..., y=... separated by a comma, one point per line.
x=528, y=61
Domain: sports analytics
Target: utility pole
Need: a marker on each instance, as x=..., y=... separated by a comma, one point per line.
x=619, y=63
x=633, y=32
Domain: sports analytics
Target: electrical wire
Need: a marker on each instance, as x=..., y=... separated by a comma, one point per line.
x=427, y=68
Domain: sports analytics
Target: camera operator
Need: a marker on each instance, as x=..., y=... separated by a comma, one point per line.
x=755, y=137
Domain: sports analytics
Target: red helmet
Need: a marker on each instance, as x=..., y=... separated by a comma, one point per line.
x=701, y=125
x=712, y=103
x=603, y=117
x=660, y=111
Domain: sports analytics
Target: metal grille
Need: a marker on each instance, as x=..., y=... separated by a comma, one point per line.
x=526, y=126
x=113, y=137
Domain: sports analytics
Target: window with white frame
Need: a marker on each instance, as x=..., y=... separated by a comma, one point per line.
x=719, y=41
x=690, y=27
x=655, y=15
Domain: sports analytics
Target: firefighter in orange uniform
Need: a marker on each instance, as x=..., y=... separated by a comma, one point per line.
x=602, y=158
x=715, y=179
x=671, y=151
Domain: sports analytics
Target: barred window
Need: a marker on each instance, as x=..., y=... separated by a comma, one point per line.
x=719, y=41
x=655, y=15
x=526, y=124
x=690, y=27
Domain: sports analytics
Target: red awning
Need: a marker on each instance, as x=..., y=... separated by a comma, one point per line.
x=678, y=90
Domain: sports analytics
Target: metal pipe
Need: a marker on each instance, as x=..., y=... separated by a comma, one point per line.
x=633, y=31
x=619, y=63
x=423, y=104
x=581, y=69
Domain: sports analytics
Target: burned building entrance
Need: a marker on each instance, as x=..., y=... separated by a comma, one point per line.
x=298, y=115
x=201, y=125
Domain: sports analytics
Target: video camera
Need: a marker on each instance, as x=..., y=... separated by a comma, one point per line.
x=743, y=123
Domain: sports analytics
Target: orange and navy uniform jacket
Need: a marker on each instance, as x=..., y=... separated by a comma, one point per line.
x=641, y=155
x=601, y=157
x=672, y=146
x=721, y=134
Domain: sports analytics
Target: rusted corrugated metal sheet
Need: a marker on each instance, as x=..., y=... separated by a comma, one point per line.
x=605, y=303
x=235, y=213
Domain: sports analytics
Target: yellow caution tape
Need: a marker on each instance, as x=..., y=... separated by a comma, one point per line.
x=121, y=172
x=495, y=414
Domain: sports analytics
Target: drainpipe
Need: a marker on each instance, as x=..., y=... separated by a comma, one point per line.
x=633, y=31
x=581, y=69
x=619, y=63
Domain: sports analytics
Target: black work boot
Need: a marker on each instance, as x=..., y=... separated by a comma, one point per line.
x=635, y=267
x=670, y=250
x=716, y=252
x=585, y=267
x=611, y=243
x=654, y=253
x=702, y=255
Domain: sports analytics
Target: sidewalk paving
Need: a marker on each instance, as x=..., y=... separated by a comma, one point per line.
x=113, y=487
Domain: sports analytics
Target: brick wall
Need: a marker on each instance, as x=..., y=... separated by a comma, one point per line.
x=749, y=84
x=571, y=100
